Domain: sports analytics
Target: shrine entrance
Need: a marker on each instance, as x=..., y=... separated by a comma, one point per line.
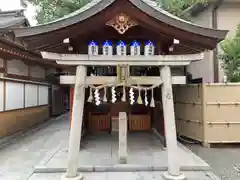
x=104, y=118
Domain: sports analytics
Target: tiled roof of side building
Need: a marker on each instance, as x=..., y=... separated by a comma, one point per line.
x=9, y=19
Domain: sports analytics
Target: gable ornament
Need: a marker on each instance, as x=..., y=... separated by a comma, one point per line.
x=121, y=23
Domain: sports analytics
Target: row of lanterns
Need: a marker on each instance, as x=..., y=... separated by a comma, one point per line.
x=121, y=48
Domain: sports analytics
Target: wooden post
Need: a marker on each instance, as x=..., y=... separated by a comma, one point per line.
x=173, y=172
x=122, y=138
x=204, y=123
x=76, y=129
x=71, y=104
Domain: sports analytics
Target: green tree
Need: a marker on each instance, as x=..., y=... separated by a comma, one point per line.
x=230, y=57
x=49, y=10
x=179, y=7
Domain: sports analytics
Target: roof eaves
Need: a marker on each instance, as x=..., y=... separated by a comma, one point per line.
x=14, y=13
x=13, y=22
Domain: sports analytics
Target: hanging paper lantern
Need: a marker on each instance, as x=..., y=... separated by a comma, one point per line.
x=107, y=48
x=131, y=95
x=92, y=48
x=149, y=49
x=135, y=49
x=121, y=48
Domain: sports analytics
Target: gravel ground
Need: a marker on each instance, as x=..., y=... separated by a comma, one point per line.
x=225, y=161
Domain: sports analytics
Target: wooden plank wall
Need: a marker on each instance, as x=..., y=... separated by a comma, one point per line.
x=209, y=113
x=222, y=115
x=188, y=111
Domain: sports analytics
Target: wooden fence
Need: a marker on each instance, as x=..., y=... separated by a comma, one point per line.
x=209, y=113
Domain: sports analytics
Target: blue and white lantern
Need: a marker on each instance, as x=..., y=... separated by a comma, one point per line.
x=135, y=49
x=92, y=48
x=149, y=49
x=107, y=48
x=121, y=49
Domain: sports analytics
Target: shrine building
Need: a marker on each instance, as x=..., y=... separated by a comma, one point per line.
x=29, y=89
x=121, y=59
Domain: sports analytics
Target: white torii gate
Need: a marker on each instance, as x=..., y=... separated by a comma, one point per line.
x=81, y=81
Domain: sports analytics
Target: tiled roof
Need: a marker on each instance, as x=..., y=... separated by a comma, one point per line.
x=95, y=6
x=11, y=18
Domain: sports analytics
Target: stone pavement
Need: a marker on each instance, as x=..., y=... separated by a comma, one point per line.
x=100, y=153
x=225, y=161
x=126, y=176
x=19, y=158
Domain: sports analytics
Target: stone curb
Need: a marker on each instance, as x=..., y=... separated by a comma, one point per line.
x=5, y=141
x=117, y=168
x=159, y=136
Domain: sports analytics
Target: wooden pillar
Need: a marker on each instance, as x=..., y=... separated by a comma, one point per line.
x=71, y=104
x=76, y=126
x=122, y=151
x=173, y=172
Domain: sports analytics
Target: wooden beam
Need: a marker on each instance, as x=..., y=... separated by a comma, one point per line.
x=130, y=63
x=97, y=80
x=101, y=60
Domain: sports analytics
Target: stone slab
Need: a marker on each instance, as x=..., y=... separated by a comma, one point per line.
x=140, y=175
x=100, y=153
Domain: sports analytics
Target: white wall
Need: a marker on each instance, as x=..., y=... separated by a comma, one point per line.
x=14, y=95
x=42, y=95
x=227, y=19
x=31, y=95
x=203, y=68
x=22, y=95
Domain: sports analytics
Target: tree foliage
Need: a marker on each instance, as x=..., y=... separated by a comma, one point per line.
x=49, y=10
x=230, y=57
x=178, y=7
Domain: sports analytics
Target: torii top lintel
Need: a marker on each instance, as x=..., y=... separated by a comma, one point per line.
x=103, y=10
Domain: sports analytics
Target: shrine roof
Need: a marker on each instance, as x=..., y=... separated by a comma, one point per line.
x=94, y=7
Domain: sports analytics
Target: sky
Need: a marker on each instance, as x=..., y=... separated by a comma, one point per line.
x=6, y=5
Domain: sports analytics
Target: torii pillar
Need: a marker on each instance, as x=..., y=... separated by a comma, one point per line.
x=173, y=172
x=76, y=126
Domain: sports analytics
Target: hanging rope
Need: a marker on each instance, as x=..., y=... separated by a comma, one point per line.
x=124, y=85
